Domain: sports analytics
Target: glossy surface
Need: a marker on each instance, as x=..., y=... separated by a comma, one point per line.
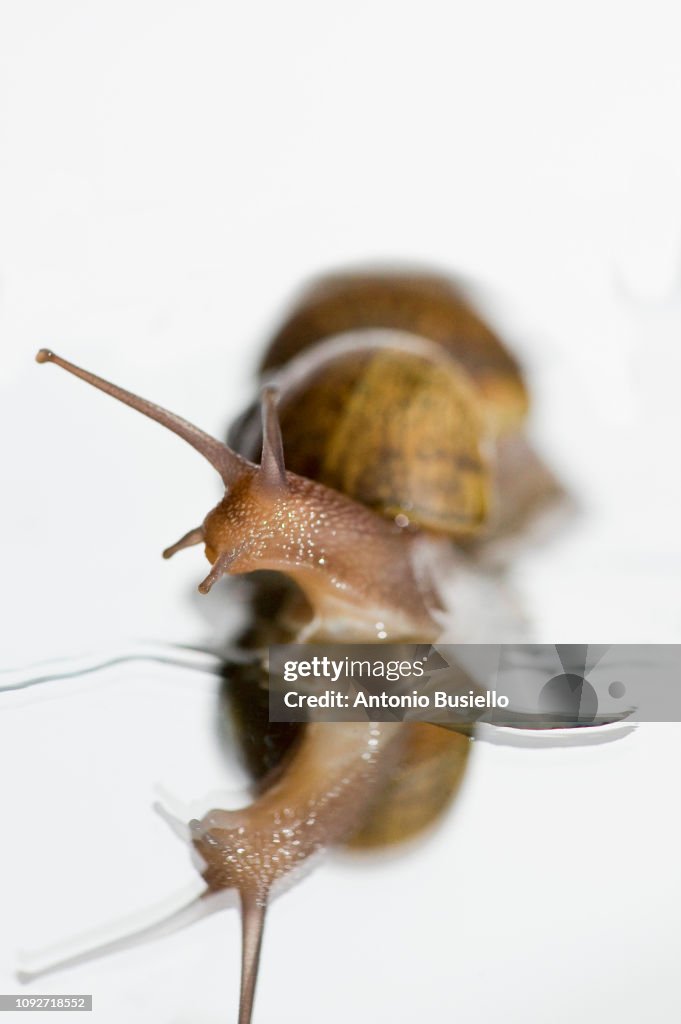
x=230, y=155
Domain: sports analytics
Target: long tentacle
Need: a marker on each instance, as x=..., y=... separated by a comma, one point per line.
x=253, y=911
x=229, y=465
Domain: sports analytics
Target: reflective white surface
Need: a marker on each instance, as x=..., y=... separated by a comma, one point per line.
x=170, y=174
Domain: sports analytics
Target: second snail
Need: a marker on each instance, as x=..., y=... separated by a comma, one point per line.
x=386, y=453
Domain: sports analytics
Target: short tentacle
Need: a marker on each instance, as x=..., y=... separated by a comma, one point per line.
x=189, y=540
x=176, y=825
x=220, y=567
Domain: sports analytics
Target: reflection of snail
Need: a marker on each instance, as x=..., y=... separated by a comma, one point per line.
x=401, y=415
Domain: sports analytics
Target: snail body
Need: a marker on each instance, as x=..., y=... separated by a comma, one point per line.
x=396, y=404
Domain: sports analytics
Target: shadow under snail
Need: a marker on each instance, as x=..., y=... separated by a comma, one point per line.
x=391, y=423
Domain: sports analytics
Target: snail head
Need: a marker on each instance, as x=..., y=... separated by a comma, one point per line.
x=342, y=555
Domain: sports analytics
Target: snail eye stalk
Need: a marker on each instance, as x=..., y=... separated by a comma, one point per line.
x=229, y=465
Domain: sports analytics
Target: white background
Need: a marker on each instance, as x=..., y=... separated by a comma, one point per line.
x=170, y=173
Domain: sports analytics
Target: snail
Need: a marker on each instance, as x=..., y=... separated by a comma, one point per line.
x=391, y=422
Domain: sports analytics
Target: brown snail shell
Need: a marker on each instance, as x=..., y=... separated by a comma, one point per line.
x=423, y=784
x=428, y=305
x=389, y=420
